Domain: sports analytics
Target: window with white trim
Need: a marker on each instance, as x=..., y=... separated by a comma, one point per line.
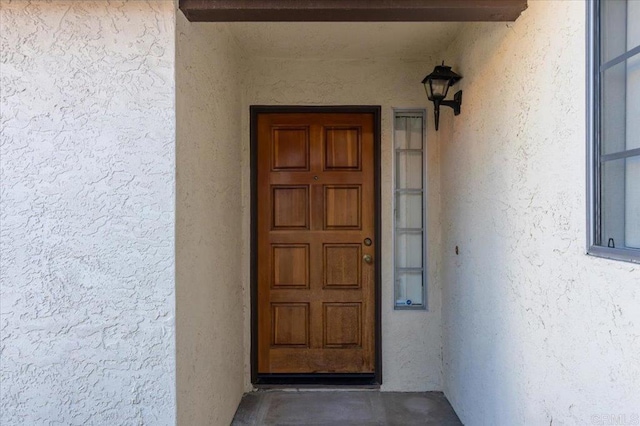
x=410, y=270
x=614, y=129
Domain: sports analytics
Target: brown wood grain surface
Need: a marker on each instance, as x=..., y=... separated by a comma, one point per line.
x=316, y=206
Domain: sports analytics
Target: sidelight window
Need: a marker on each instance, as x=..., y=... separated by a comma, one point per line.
x=614, y=129
x=410, y=273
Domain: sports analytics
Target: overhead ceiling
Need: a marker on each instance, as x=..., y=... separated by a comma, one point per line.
x=344, y=40
x=408, y=29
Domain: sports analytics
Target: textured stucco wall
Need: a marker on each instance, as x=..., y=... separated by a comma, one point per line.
x=87, y=212
x=209, y=290
x=535, y=331
x=411, y=340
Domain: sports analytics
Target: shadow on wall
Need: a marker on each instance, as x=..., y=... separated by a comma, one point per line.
x=209, y=291
x=526, y=312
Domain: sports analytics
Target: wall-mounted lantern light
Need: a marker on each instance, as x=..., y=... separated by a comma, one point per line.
x=437, y=85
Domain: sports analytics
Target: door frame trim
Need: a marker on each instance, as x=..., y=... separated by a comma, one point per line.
x=376, y=111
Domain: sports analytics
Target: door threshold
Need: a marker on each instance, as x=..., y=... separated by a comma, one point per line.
x=320, y=379
x=316, y=388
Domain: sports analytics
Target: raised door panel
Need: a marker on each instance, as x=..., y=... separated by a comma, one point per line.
x=290, y=149
x=290, y=324
x=290, y=207
x=342, y=324
x=342, y=266
x=342, y=149
x=342, y=207
x=290, y=266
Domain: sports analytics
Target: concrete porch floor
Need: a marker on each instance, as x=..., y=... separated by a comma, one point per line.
x=337, y=408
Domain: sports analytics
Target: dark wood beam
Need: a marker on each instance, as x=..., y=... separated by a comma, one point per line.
x=351, y=10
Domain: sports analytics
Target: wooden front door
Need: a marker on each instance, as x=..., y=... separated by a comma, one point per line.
x=315, y=243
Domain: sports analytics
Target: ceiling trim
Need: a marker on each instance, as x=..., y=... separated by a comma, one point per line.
x=351, y=10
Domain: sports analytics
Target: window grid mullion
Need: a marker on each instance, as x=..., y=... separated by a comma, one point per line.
x=618, y=59
x=620, y=155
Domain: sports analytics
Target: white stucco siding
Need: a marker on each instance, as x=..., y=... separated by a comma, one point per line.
x=209, y=289
x=411, y=340
x=87, y=212
x=535, y=331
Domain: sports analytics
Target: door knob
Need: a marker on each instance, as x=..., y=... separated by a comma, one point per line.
x=367, y=258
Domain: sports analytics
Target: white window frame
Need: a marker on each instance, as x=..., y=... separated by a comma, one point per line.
x=422, y=112
x=594, y=244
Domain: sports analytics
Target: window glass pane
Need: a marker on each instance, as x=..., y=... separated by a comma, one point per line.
x=613, y=109
x=409, y=211
x=408, y=250
x=633, y=27
x=409, y=170
x=632, y=206
x=633, y=100
x=409, y=289
x=620, y=203
x=616, y=184
x=613, y=26
x=620, y=107
x=612, y=194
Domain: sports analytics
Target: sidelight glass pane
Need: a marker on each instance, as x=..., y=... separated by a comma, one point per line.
x=408, y=249
x=409, y=170
x=408, y=132
x=400, y=138
x=409, y=222
x=409, y=289
x=409, y=211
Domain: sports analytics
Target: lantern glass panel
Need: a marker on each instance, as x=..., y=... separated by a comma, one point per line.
x=439, y=88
